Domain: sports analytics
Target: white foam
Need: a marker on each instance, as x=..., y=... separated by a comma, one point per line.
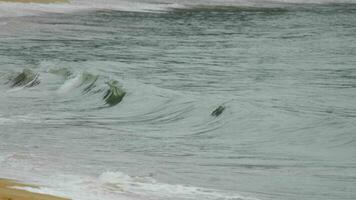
x=42, y=170
x=148, y=186
x=26, y=9
x=117, y=185
x=22, y=9
x=2, y=159
x=70, y=84
x=4, y=120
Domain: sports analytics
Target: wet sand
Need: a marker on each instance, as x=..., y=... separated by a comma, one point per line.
x=7, y=192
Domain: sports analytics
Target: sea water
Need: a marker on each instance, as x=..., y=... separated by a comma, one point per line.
x=284, y=72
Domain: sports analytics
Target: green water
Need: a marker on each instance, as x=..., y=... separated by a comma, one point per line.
x=286, y=77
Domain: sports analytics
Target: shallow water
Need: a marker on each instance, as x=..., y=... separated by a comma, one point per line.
x=286, y=75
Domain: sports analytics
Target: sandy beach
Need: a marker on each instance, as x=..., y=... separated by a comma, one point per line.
x=7, y=192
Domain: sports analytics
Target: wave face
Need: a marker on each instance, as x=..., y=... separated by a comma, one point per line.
x=220, y=102
x=25, y=9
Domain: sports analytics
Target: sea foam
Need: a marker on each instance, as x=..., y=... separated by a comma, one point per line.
x=27, y=9
x=118, y=185
x=36, y=169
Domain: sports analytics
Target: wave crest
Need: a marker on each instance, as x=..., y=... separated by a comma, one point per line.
x=17, y=8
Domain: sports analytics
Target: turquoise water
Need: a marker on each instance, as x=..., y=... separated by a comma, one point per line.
x=286, y=75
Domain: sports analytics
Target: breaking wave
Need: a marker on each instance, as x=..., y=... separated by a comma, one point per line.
x=26, y=9
x=108, y=185
x=232, y=101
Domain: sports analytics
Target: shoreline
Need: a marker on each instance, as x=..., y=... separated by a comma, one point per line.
x=8, y=191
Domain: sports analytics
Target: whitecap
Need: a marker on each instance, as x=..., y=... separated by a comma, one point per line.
x=70, y=85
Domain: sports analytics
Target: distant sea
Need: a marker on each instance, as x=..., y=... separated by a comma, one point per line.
x=282, y=75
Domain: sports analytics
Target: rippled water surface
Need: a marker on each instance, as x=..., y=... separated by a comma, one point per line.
x=286, y=76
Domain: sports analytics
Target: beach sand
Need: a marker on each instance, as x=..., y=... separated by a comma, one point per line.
x=9, y=193
x=35, y=1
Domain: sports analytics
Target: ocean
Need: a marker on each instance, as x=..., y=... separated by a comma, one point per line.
x=222, y=99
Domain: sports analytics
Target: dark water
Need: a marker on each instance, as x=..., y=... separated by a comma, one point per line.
x=285, y=75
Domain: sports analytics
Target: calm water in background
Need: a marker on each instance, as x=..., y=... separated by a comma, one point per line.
x=286, y=75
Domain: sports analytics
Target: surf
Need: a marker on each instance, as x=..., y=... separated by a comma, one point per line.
x=18, y=8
